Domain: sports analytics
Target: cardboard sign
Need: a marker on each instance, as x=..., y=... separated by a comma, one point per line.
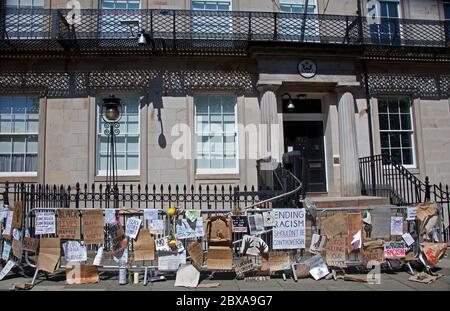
x=6, y=269
x=49, y=253
x=256, y=223
x=187, y=276
x=396, y=225
x=394, y=250
x=6, y=250
x=74, y=251
x=335, y=252
x=253, y=246
x=219, y=230
x=381, y=221
x=289, y=232
x=244, y=266
x=186, y=229
x=144, y=246
x=372, y=254
x=334, y=225
x=151, y=214
x=93, y=226
x=45, y=223
x=110, y=216
x=171, y=262
x=17, y=248
x=411, y=213
x=68, y=223
x=81, y=274
x=132, y=227
x=240, y=222
x=269, y=219
x=18, y=215
x=196, y=253
x=220, y=258
x=317, y=243
x=30, y=244
x=117, y=235
x=279, y=261
x=354, y=225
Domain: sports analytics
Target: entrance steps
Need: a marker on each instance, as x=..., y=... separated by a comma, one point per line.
x=339, y=202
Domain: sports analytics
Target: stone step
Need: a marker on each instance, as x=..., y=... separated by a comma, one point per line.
x=338, y=202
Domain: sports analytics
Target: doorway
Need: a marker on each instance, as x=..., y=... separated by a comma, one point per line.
x=308, y=136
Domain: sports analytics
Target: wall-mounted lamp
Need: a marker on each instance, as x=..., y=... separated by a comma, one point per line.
x=142, y=40
x=290, y=105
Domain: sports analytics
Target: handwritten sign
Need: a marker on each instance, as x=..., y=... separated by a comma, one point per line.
x=74, y=251
x=30, y=244
x=317, y=243
x=156, y=226
x=45, y=223
x=318, y=267
x=186, y=229
x=93, y=225
x=9, y=265
x=335, y=251
x=411, y=213
x=354, y=226
x=396, y=225
x=8, y=224
x=162, y=244
x=240, y=222
x=394, y=249
x=171, y=262
x=373, y=254
x=289, y=232
x=132, y=227
x=279, y=261
x=244, y=266
x=150, y=214
x=68, y=223
x=110, y=216
x=18, y=215
x=333, y=225
x=117, y=235
x=6, y=251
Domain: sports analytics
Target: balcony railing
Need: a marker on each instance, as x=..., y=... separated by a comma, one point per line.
x=205, y=31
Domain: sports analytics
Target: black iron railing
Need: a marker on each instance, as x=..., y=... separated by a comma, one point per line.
x=184, y=31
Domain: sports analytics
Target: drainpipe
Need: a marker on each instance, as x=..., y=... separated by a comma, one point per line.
x=305, y=13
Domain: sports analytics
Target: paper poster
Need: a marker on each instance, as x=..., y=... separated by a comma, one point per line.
x=335, y=251
x=74, y=251
x=269, y=219
x=171, y=262
x=144, y=246
x=121, y=257
x=219, y=258
x=279, y=261
x=289, y=233
x=317, y=243
x=110, y=216
x=187, y=276
x=192, y=214
x=68, y=223
x=30, y=244
x=8, y=224
x=17, y=248
x=45, y=223
x=256, y=224
x=9, y=265
x=409, y=240
x=6, y=250
x=411, y=213
x=81, y=274
x=132, y=227
x=151, y=214
x=49, y=253
x=333, y=225
x=162, y=244
x=240, y=222
x=381, y=221
x=185, y=229
x=318, y=267
x=354, y=225
x=93, y=226
x=157, y=226
x=180, y=246
x=16, y=233
x=243, y=267
x=4, y=212
x=117, y=235
x=195, y=251
x=18, y=215
x=396, y=225
x=253, y=246
x=394, y=250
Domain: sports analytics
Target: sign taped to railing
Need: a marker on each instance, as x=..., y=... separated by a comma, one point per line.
x=289, y=232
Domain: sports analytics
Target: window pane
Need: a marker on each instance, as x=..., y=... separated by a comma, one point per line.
x=396, y=155
x=216, y=145
x=120, y=144
x=384, y=137
x=18, y=144
x=5, y=144
x=407, y=156
x=5, y=162
x=133, y=162
x=31, y=163
x=384, y=121
x=394, y=121
x=216, y=163
x=395, y=140
x=405, y=107
x=406, y=140
x=230, y=162
x=382, y=106
x=393, y=106
x=406, y=121
x=133, y=144
x=18, y=161
x=32, y=144
x=121, y=163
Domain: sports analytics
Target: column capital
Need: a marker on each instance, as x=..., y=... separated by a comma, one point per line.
x=268, y=85
x=343, y=87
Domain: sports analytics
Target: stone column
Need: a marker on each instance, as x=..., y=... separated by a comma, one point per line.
x=348, y=148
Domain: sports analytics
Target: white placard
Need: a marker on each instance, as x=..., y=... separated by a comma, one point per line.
x=6, y=251
x=252, y=245
x=9, y=265
x=110, y=216
x=8, y=224
x=4, y=212
x=269, y=219
x=162, y=244
x=289, y=233
x=16, y=234
x=187, y=276
x=132, y=227
x=186, y=229
x=150, y=214
x=74, y=251
x=357, y=240
x=317, y=243
x=411, y=213
x=318, y=267
x=171, y=262
x=256, y=223
x=156, y=226
x=98, y=260
x=408, y=239
x=45, y=223
x=396, y=225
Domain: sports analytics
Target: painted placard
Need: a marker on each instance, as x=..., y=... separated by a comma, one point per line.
x=132, y=227
x=335, y=251
x=68, y=223
x=396, y=225
x=240, y=222
x=394, y=249
x=186, y=229
x=289, y=232
x=93, y=226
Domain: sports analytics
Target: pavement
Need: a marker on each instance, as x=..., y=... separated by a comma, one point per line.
x=390, y=281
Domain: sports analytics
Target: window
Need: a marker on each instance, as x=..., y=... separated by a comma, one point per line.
x=120, y=4
x=216, y=134
x=19, y=127
x=291, y=25
x=25, y=3
x=32, y=22
x=127, y=142
x=110, y=20
x=388, y=32
x=396, y=130
x=213, y=23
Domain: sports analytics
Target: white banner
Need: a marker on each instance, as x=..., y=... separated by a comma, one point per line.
x=289, y=232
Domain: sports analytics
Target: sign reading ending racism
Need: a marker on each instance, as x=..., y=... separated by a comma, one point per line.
x=289, y=232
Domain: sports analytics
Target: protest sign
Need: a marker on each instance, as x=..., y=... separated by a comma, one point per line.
x=240, y=222
x=110, y=216
x=144, y=246
x=93, y=226
x=98, y=260
x=171, y=262
x=191, y=215
x=30, y=244
x=279, y=261
x=117, y=235
x=411, y=213
x=256, y=223
x=68, y=223
x=17, y=248
x=373, y=250
x=219, y=258
x=333, y=225
x=269, y=219
x=219, y=230
x=18, y=215
x=335, y=251
x=9, y=265
x=244, y=266
x=81, y=274
x=317, y=243
x=8, y=224
x=4, y=212
x=354, y=225
x=186, y=229
x=409, y=240
x=121, y=257
x=156, y=226
x=252, y=245
x=49, y=253
x=45, y=223
x=317, y=267
x=16, y=233
x=162, y=244
x=74, y=251
x=196, y=253
x=396, y=225
x=393, y=250
x=289, y=232
x=381, y=221
x=6, y=250
x=150, y=214
x=187, y=276
x=132, y=227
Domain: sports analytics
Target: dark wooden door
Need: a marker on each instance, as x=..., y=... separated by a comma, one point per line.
x=309, y=136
